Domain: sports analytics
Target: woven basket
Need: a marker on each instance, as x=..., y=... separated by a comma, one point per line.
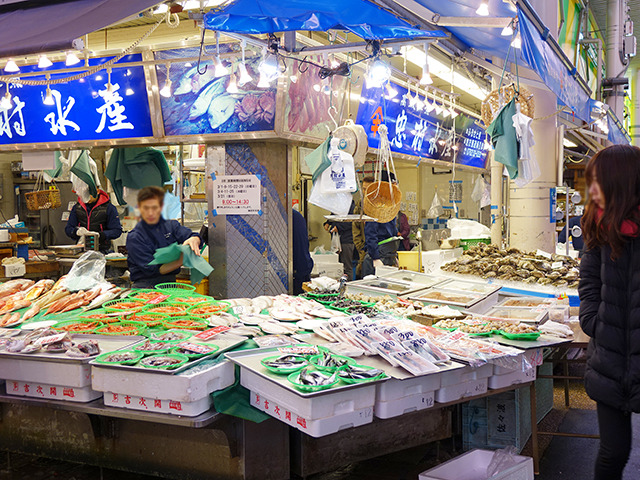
x=43, y=199
x=492, y=106
x=381, y=202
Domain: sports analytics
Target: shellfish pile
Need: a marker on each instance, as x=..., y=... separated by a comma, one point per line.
x=489, y=261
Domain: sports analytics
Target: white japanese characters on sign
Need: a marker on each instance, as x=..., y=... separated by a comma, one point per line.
x=12, y=118
x=58, y=120
x=112, y=109
x=236, y=195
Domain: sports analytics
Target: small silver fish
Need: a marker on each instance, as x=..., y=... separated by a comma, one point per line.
x=358, y=373
x=287, y=361
x=307, y=377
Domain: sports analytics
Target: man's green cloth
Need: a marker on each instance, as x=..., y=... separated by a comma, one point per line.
x=504, y=139
x=136, y=168
x=200, y=268
x=82, y=169
x=318, y=160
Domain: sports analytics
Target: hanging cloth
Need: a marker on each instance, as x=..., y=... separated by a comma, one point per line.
x=528, y=168
x=504, y=140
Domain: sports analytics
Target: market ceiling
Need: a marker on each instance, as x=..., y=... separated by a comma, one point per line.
x=28, y=27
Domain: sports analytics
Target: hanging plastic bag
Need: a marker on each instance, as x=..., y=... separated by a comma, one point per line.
x=436, y=209
x=336, y=246
x=528, y=171
x=336, y=203
x=341, y=176
x=478, y=189
x=86, y=273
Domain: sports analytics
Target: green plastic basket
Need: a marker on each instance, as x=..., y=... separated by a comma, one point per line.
x=281, y=371
x=182, y=360
x=174, y=323
x=149, y=319
x=146, y=294
x=166, y=309
x=175, y=288
x=362, y=380
x=217, y=307
x=165, y=349
x=138, y=329
x=314, y=359
x=62, y=326
x=467, y=243
x=123, y=305
x=293, y=378
x=135, y=358
x=189, y=298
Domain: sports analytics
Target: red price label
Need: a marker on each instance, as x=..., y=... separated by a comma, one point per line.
x=195, y=348
x=212, y=332
x=52, y=339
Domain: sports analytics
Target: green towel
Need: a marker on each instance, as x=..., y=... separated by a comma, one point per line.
x=82, y=169
x=504, y=139
x=200, y=268
x=57, y=169
x=136, y=168
x=318, y=160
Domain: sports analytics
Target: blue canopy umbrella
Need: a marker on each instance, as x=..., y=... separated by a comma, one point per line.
x=361, y=17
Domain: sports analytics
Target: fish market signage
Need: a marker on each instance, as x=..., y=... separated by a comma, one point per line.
x=416, y=129
x=202, y=103
x=236, y=195
x=82, y=109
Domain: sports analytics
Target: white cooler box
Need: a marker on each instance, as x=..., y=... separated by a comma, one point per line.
x=464, y=382
x=182, y=394
x=56, y=392
x=318, y=415
x=473, y=466
x=396, y=397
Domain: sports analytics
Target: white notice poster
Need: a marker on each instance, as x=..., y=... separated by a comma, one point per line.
x=236, y=195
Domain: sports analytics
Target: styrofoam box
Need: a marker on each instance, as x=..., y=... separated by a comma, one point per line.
x=56, y=392
x=15, y=270
x=513, y=378
x=173, y=407
x=331, y=270
x=466, y=374
x=458, y=391
x=52, y=373
x=394, y=389
x=327, y=257
x=316, y=427
x=473, y=466
x=183, y=387
x=400, y=406
x=321, y=406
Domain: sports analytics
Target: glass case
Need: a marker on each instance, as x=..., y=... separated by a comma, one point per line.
x=414, y=277
x=467, y=286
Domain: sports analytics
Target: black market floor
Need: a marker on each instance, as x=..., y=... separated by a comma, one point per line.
x=563, y=457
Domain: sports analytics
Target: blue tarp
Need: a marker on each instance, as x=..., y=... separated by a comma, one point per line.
x=361, y=17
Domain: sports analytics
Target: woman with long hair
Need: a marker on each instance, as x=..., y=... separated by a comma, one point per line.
x=610, y=300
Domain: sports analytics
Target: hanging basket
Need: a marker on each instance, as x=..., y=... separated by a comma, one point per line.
x=43, y=199
x=382, y=201
x=492, y=104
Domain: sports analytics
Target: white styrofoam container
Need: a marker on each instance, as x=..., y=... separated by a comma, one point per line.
x=316, y=427
x=469, y=388
x=400, y=406
x=394, y=389
x=55, y=392
x=331, y=270
x=432, y=260
x=326, y=257
x=513, y=378
x=473, y=466
x=183, y=387
x=322, y=406
x=173, y=407
x=466, y=374
x=52, y=373
x=15, y=270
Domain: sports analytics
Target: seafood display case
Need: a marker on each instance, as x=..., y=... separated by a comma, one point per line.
x=382, y=286
x=473, y=301
x=527, y=302
x=519, y=314
x=409, y=276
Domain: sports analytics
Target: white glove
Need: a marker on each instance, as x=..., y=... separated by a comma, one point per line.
x=378, y=263
x=81, y=232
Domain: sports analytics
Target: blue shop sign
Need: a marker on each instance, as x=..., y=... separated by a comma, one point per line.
x=83, y=109
x=416, y=129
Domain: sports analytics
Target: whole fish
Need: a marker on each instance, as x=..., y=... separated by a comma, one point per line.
x=56, y=307
x=201, y=105
x=307, y=377
x=10, y=320
x=40, y=288
x=77, y=303
x=52, y=296
x=220, y=110
x=32, y=312
x=102, y=298
x=357, y=373
x=17, y=305
x=13, y=286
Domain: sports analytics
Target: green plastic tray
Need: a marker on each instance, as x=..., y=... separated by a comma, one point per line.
x=315, y=358
x=136, y=356
x=520, y=336
x=175, y=287
x=293, y=378
x=183, y=359
x=281, y=371
x=362, y=380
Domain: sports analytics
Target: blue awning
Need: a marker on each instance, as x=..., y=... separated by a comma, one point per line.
x=361, y=17
x=26, y=29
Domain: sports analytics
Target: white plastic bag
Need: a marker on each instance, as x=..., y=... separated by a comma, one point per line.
x=86, y=273
x=341, y=177
x=436, y=209
x=528, y=171
x=336, y=203
x=478, y=189
x=336, y=246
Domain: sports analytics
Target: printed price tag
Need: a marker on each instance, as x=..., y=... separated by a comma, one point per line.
x=302, y=350
x=51, y=339
x=556, y=265
x=212, y=332
x=195, y=348
x=542, y=253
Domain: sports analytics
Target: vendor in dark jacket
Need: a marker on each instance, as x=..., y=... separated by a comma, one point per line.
x=610, y=300
x=347, y=249
x=151, y=233
x=98, y=216
x=302, y=261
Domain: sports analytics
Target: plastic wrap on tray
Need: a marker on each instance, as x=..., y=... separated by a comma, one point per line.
x=427, y=350
x=460, y=346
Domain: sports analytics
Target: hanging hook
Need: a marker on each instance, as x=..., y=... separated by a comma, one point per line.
x=335, y=122
x=200, y=56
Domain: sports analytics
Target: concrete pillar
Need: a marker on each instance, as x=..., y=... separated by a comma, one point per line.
x=635, y=113
x=496, y=202
x=530, y=227
x=613, y=43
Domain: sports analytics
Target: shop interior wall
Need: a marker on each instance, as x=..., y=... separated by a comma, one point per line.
x=432, y=182
x=7, y=200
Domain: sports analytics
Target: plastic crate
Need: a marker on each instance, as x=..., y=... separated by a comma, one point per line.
x=473, y=466
x=467, y=243
x=481, y=423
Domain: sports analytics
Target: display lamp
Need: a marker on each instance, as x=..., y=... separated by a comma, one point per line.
x=44, y=62
x=11, y=67
x=72, y=59
x=426, y=76
x=5, y=103
x=48, y=99
x=233, y=84
x=483, y=9
x=379, y=74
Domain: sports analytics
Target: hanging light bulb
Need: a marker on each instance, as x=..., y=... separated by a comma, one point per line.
x=11, y=67
x=264, y=82
x=233, y=84
x=162, y=8
x=72, y=59
x=483, y=9
x=426, y=76
x=48, y=99
x=445, y=111
x=379, y=74
x=508, y=30
x=242, y=68
x=429, y=106
x=516, y=42
x=437, y=108
x=44, y=62
x=166, y=90
x=269, y=66
x=220, y=69
x=129, y=91
x=391, y=92
x=453, y=113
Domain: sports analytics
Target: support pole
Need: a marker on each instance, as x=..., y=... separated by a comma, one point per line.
x=615, y=98
x=635, y=127
x=496, y=202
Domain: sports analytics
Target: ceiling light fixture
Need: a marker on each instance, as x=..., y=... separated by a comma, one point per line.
x=426, y=76
x=72, y=59
x=166, y=90
x=391, y=92
x=233, y=84
x=508, y=30
x=48, y=98
x=242, y=68
x=379, y=74
x=483, y=9
x=220, y=70
x=517, y=41
x=5, y=103
x=129, y=91
x=44, y=62
x=269, y=67
x=11, y=67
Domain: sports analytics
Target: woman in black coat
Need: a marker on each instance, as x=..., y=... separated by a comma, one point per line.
x=610, y=300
